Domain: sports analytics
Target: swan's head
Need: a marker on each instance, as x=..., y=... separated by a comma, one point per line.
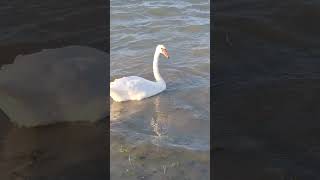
x=163, y=50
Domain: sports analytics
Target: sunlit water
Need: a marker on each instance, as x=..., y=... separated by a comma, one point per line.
x=179, y=116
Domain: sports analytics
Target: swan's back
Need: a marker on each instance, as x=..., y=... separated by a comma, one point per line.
x=134, y=88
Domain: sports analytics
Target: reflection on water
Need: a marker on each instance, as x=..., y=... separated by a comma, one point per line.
x=159, y=121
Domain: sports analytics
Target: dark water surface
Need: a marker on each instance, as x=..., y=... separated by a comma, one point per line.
x=266, y=89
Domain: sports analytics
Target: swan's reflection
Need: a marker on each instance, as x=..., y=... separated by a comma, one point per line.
x=159, y=122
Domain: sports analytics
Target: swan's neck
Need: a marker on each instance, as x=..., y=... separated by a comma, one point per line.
x=156, y=73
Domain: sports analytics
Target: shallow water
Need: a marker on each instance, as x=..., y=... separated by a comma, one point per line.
x=178, y=116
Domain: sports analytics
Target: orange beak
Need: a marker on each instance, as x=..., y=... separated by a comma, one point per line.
x=165, y=53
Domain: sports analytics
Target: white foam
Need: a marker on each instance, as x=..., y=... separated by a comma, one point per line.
x=55, y=85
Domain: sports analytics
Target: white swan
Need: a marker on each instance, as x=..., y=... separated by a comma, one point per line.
x=137, y=88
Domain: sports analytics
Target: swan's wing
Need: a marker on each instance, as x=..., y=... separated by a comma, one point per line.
x=132, y=83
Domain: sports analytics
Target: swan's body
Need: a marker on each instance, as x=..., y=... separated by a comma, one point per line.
x=134, y=88
x=137, y=88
